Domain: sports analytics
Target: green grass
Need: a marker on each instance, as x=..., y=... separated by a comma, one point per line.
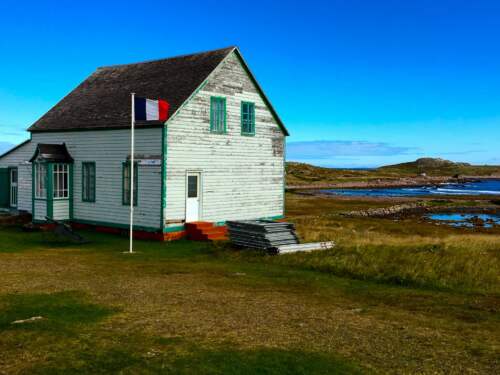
x=392, y=297
x=196, y=360
x=59, y=311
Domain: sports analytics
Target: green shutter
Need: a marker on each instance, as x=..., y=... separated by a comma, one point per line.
x=218, y=114
x=125, y=193
x=88, y=181
x=247, y=118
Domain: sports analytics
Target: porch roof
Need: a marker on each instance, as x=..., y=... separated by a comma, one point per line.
x=52, y=153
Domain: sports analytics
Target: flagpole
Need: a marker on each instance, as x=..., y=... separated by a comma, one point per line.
x=132, y=175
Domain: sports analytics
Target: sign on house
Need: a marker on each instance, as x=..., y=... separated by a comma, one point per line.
x=147, y=160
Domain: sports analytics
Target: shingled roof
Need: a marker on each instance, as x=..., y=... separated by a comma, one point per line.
x=102, y=101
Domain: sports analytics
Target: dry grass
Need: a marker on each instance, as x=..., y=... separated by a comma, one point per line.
x=409, y=251
x=191, y=308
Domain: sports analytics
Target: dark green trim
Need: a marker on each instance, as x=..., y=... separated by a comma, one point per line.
x=261, y=92
x=50, y=190
x=70, y=192
x=177, y=228
x=277, y=217
x=188, y=99
x=136, y=183
x=214, y=99
x=115, y=225
x=84, y=164
x=163, y=176
x=252, y=124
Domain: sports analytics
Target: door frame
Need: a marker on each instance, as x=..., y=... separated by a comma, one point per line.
x=199, y=173
x=10, y=169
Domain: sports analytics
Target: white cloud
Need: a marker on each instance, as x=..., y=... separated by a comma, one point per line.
x=335, y=149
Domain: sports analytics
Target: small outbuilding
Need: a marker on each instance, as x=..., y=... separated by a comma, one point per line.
x=219, y=156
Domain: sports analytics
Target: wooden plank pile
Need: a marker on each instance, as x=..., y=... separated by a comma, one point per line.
x=275, y=237
x=261, y=234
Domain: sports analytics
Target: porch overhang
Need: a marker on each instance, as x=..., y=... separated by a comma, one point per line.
x=51, y=153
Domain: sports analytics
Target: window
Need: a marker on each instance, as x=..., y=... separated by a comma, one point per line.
x=40, y=180
x=192, y=187
x=126, y=184
x=88, y=181
x=60, y=176
x=217, y=114
x=247, y=118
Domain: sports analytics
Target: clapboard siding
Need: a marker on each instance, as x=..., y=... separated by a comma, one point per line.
x=19, y=158
x=60, y=210
x=109, y=149
x=242, y=176
x=40, y=210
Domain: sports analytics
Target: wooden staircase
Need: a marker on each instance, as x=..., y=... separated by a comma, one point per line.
x=205, y=231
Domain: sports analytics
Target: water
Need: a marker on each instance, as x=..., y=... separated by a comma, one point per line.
x=490, y=187
x=463, y=220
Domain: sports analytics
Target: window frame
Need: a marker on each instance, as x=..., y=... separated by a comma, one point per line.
x=213, y=101
x=86, y=182
x=41, y=184
x=60, y=173
x=126, y=197
x=251, y=120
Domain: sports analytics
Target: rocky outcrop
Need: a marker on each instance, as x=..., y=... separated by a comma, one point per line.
x=389, y=211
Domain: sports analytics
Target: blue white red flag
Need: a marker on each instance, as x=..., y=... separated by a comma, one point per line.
x=150, y=110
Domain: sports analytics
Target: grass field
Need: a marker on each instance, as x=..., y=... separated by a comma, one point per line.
x=392, y=297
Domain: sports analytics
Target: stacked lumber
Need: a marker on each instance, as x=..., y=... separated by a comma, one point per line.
x=275, y=237
x=261, y=234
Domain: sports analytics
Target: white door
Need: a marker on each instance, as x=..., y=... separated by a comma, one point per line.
x=13, y=187
x=193, y=197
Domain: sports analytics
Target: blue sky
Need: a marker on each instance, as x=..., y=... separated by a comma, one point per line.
x=358, y=83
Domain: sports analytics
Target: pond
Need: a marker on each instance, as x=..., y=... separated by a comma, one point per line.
x=466, y=219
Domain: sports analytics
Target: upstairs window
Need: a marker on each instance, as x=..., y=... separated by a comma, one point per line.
x=40, y=180
x=217, y=114
x=126, y=184
x=247, y=118
x=60, y=177
x=88, y=181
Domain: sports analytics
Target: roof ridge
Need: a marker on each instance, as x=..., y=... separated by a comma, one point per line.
x=166, y=58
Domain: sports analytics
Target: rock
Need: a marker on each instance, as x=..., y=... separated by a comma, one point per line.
x=357, y=311
x=29, y=320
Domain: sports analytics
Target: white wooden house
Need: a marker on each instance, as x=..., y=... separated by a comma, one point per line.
x=219, y=156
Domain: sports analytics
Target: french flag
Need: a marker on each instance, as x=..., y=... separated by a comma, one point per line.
x=150, y=110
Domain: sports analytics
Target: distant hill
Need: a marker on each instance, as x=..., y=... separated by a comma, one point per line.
x=440, y=167
x=307, y=174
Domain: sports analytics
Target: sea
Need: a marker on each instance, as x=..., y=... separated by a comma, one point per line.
x=482, y=187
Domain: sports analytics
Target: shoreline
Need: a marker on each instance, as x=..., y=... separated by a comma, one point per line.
x=393, y=183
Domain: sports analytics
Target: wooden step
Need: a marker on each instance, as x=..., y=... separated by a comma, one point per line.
x=205, y=231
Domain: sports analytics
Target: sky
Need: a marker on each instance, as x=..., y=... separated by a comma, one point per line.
x=357, y=83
